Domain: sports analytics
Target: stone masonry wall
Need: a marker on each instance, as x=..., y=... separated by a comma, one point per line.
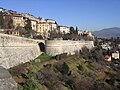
x=16, y=50
x=54, y=47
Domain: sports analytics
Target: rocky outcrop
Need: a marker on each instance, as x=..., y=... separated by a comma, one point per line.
x=6, y=80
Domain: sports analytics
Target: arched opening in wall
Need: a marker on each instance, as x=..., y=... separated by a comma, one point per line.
x=42, y=47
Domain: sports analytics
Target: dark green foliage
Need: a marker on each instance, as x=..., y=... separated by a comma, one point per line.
x=28, y=25
x=1, y=20
x=64, y=69
x=72, y=31
x=28, y=85
x=70, y=83
x=76, y=31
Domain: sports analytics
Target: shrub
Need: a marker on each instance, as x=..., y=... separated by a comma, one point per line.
x=61, y=56
x=80, y=67
x=28, y=85
x=70, y=84
x=64, y=68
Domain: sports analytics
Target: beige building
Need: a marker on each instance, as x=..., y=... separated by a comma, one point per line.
x=18, y=20
x=45, y=26
x=64, y=29
x=79, y=32
x=52, y=23
x=31, y=17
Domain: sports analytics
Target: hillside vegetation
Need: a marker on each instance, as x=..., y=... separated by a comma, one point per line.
x=66, y=73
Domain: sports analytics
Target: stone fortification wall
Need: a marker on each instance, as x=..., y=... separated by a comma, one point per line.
x=16, y=50
x=54, y=47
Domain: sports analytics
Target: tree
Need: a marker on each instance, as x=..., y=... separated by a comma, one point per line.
x=21, y=30
x=10, y=23
x=76, y=31
x=1, y=20
x=28, y=28
x=72, y=30
x=28, y=25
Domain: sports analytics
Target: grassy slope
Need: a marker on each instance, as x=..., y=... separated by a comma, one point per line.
x=85, y=73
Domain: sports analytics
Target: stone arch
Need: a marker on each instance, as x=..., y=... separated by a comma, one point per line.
x=42, y=46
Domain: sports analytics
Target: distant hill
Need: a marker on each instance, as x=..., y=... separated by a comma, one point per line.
x=108, y=32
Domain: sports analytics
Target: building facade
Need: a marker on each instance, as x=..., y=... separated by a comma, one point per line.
x=52, y=23
x=64, y=29
x=18, y=20
x=34, y=25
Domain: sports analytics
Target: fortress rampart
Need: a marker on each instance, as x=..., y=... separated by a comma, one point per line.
x=54, y=47
x=16, y=50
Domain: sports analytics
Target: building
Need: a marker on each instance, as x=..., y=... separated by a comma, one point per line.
x=106, y=46
x=52, y=23
x=79, y=32
x=64, y=29
x=31, y=17
x=34, y=21
x=88, y=34
x=18, y=20
x=34, y=25
x=44, y=26
x=2, y=9
x=115, y=55
x=10, y=32
x=107, y=58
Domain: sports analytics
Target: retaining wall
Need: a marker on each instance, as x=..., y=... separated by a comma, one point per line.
x=16, y=50
x=54, y=47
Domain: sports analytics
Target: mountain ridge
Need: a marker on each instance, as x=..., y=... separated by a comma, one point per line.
x=108, y=32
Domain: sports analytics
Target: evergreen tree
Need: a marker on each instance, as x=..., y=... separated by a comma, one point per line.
x=76, y=31
x=1, y=20
x=28, y=29
x=72, y=31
